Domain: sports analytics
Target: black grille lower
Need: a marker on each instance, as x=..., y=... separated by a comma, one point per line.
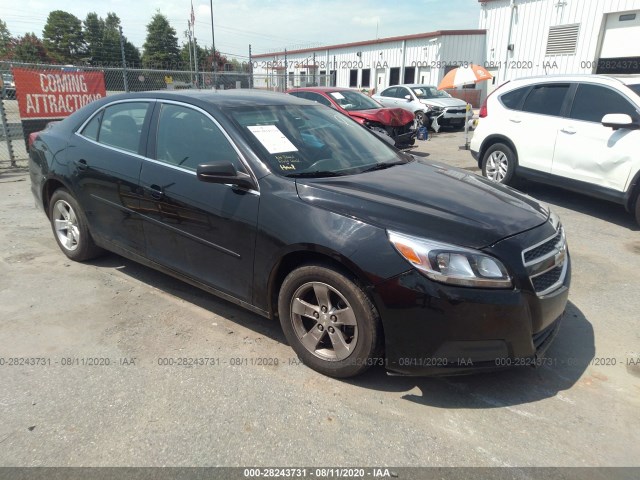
x=542, y=250
x=547, y=279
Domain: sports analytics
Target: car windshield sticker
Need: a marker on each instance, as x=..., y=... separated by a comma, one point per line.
x=272, y=138
x=287, y=161
x=337, y=95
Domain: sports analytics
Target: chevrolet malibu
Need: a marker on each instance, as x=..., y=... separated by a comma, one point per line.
x=366, y=255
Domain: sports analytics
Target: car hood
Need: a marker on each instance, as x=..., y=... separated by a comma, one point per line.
x=428, y=200
x=444, y=102
x=392, y=117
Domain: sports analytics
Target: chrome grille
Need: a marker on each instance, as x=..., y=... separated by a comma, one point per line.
x=546, y=263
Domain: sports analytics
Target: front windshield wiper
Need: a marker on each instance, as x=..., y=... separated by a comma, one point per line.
x=382, y=166
x=315, y=173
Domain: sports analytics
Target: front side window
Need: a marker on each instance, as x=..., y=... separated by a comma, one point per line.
x=121, y=125
x=546, y=99
x=592, y=102
x=188, y=138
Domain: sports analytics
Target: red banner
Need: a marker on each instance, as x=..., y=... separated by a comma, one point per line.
x=55, y=93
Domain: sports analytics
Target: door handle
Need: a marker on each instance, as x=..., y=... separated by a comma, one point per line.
x=82, y=164
x=569, y=130
x=156, y=192
x=515, y=120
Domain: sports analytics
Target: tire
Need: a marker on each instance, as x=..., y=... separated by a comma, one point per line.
x=499, y=164
x=341, y=345
x=638, y=208
x=69, y=226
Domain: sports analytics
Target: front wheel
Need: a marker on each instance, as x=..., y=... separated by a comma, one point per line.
x=499, y=163
x=70, y=227
x=329, y=321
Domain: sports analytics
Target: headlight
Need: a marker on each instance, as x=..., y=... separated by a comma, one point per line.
x=450, y=263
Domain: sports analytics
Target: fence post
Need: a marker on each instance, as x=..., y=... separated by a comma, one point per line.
x=5, y=129
x=250, y=68
x=124, y=63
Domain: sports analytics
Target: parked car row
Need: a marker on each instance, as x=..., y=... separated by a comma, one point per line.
x=578, y=132
x=367, y=255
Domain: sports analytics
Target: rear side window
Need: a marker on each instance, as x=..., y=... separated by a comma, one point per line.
x=513, y=99
x=592, y=102
x=91, y=130
x=389, y=92
x=546, y=99
x=121, y=125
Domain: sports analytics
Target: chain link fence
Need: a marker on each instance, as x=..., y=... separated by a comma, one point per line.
x=13, y=137
x=279, y=82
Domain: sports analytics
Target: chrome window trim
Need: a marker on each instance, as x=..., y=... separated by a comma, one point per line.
x=158, y=162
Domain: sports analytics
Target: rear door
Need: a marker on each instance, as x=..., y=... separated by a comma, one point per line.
x=534, y=123
x=590, y=152
x=203, y=230
x=107, y=155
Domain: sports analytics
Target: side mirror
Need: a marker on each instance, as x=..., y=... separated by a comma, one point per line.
x=408, y=97
x=225, y=173
x=619, y=120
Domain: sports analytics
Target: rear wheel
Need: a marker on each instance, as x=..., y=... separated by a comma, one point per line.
x=70, y=227
x=329, y=321
x=499, y=164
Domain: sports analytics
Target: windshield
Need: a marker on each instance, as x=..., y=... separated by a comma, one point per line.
x=426, y=92
x=297, y=140
x=350, y=100
x=635, y=88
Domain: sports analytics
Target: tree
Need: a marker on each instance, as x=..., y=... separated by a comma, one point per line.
x=161, y=46
x=63, y=38
x=5, y=41
x=103, y=41
x=30, y=48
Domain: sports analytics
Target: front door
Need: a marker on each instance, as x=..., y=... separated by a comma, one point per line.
x=203, y=230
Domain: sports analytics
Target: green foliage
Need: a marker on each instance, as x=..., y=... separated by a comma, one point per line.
x=30, y=49
x=63, y=37
x=103, y=41
x=5, y=40
x=161, y=46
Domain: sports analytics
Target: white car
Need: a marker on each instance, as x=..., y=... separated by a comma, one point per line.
x=580, y=132
x=425, y=101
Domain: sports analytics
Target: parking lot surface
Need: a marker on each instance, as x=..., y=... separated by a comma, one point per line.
x=91, y=366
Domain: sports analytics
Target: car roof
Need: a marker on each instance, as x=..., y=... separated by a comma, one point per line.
x=414, y=85
x=219, y=98
x=321, y=89
x=605, y=79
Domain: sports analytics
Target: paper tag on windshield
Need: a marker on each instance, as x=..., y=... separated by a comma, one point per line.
x=337, y=95
x=272, y=138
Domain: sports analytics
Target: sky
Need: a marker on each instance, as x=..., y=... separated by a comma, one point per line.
x=268, y=25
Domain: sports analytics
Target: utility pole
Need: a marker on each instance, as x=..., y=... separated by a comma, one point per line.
x=250, y=68
x=124, y=63
x=213, y=46
x=195, y=57
x=188, y=35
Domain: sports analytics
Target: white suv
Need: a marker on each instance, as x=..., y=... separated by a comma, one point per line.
x=581, y=132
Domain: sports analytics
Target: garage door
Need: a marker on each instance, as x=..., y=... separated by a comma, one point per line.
x=618, y=54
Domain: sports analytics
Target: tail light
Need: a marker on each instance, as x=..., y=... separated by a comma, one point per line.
x=483, y=108
x=32, y=138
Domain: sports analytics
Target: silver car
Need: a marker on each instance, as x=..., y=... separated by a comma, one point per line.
x=425, y=101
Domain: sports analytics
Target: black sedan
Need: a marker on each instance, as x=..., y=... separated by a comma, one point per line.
x=365, y=254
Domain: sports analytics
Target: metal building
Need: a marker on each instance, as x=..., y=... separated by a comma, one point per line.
x=373, y=64
x=538, y=37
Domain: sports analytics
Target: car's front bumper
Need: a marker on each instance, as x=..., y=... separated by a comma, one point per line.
x=436, y=329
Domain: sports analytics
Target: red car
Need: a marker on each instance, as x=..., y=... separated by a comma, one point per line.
x=393, y=122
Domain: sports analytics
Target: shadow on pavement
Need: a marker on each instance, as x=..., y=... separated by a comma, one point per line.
x=568, y=356
x=577, y=202
x=567, y=359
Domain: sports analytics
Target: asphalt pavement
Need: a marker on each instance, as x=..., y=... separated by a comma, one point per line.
x=91, y=374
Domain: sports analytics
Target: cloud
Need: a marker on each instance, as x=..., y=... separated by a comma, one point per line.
x=366, y=21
